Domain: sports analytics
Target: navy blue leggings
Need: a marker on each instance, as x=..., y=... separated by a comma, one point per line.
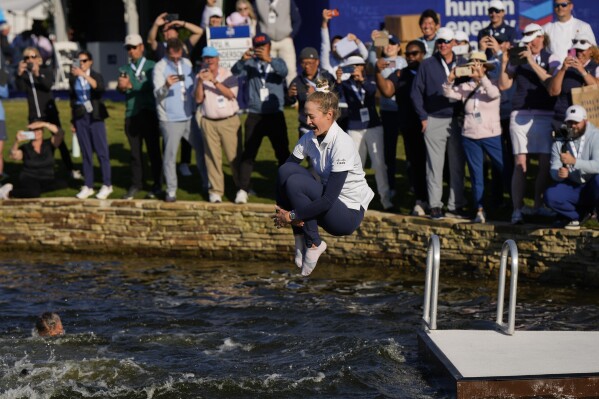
x=297, y=188
x=571, y=200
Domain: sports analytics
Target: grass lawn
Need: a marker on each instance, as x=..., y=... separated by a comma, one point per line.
x=263, y=177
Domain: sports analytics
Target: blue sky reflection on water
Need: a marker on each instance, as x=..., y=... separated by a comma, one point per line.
x=153, y=328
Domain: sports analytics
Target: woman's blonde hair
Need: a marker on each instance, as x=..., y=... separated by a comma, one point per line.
x=326, y=98
x=250, y=7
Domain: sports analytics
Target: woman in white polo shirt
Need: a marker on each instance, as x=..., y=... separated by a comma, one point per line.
x=338, y=201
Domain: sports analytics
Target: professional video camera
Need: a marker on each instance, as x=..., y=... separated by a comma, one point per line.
x=565, y=135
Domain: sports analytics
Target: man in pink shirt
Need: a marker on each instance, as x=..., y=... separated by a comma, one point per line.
x=216, y=92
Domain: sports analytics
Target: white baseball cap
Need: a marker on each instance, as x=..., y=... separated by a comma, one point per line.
x=133, y=40
x=583, y=41
x=531, y=32
x=354, y=60
x=497, y=4
x=576, y=113
x=461, y=36
x=445, y=34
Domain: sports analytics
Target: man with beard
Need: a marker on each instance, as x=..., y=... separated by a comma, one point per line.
x=575, y=170
x=400, y=85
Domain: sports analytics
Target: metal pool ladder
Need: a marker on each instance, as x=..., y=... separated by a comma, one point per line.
x=431, y=285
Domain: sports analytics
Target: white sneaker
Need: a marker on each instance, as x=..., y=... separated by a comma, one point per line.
x=480, y=217
x=184, y=169
x=85, y=192
x=572, y=225
x=517, y=216
x=419, y=209
x=104, y=192
x=214, y=198
x=76, y=175
x=5, y=190
x=386, y=202
x=311, y=258
x=241, y=197
x=300, y=249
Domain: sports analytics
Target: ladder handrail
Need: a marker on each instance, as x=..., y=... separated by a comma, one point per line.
x=509, y=248
x=431, y=284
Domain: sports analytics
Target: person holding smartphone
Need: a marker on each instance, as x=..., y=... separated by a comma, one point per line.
x=389, y=114
x=364, y=123
x=36, y=80
x=530, y=120
x=37, y=154
x=141, y=120
x=578, y=69
x=86, y=88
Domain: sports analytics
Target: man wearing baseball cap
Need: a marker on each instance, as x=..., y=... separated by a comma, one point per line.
x=141, y=120
x=575, y=170
x=440, y=128
x=304, y=84
x=266, y=82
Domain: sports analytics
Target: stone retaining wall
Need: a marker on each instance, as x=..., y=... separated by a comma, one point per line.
x=229, y=231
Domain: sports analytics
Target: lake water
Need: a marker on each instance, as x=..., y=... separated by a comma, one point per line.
x=181, y=328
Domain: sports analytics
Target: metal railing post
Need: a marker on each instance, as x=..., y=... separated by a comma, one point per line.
x=431, y=283
x=509, y=249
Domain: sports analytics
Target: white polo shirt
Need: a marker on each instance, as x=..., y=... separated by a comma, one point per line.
x=337, y=153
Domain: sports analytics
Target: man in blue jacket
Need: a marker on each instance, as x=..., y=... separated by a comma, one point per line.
x=440, y=128
x=266, y=81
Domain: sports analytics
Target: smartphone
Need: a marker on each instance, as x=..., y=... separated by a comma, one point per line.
x=392, y=64
x=76, y=63
x=28, y=135
x=181, y=78
x=171, y=17
x=463, y=71
x=572, y=52
x=348, y=69
x=334, y=12
x=514, y=53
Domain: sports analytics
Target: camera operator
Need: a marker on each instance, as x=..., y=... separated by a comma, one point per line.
x=37, y=154
x=36, y=79
x=575, y=170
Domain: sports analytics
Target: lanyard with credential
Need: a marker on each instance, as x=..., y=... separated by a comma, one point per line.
x=576, y=153
x=445, y=66
x=360, y=93
x=84, y=85
x=180, y=73
x=137, y=71
x=264, y=71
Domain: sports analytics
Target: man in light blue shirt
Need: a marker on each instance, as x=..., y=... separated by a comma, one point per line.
x=175, y=104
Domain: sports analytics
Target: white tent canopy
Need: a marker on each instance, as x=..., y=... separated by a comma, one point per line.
x=21, y=13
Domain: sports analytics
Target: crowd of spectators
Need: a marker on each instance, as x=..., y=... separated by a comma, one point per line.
x=492, y=108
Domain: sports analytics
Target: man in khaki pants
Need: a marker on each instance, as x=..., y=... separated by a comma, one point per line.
x=216, y=92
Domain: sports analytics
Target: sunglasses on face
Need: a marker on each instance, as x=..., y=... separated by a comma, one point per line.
x=412, y=53
x=30, y=57
x=583, y=42
x=130, y=47
x=443, y=41
x=84, y=60
x=562, y=5
x=494, y=11
x=534, y=32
